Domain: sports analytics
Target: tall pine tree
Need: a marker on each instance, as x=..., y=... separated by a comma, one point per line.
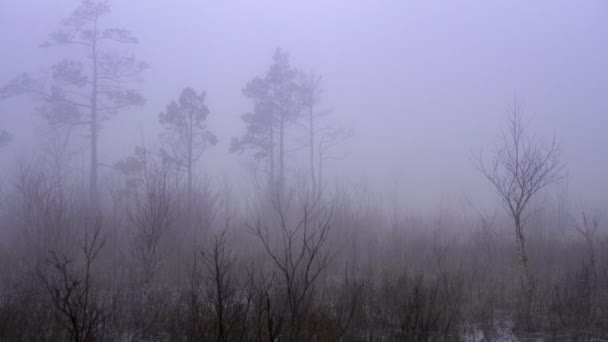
x=277, y=104
x=88, y=90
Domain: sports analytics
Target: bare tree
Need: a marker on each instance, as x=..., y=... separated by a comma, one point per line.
x=45, y=205
x=72, y=292
x=268, y=316
x=587, y=226
x=300, y=257
x=222, y=288
x=311, y=92
x=519, y=169
x=322, y=137
x=152, y=210
x=85, y=92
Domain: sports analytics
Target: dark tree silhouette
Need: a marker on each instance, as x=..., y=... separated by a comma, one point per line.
x=311, y=92
x=300, y=256
x=89, y=90
x=277, y=103
x=186, y=133
x=71, y=289
x=322, y=138
x=587, y=226
x=520, y=168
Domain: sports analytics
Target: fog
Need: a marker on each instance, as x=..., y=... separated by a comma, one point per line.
x=421, y=95
x=421, y=84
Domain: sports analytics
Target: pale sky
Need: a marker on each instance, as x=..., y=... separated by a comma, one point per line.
x=422, y=84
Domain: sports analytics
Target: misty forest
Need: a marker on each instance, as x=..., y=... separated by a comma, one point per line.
x=303, y=171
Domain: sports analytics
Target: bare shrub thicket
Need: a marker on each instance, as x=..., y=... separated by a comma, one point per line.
x=297, y=245
x=336, y=267
x=151, y=216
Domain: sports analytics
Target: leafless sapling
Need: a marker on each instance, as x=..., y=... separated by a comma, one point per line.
x=520, y=168
x=71, y=289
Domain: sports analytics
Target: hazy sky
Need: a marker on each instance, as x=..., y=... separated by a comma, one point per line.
x=423, y=84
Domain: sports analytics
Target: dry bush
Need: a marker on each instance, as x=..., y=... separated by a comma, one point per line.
x=71, y=291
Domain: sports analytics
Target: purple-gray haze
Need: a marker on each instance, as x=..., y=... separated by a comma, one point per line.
x=423, y=85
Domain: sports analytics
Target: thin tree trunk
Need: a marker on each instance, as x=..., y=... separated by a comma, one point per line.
x=189, y=167
x=592, y=263
x=220, y=298
x=320, y=178
x=189, y=190
x=527, y=282
x=93, y=197
x=272, y=181
x=523, y=261
x=282, y=154
x=312, y=153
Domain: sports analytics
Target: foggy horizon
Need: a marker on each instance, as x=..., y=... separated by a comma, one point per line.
x=422, y=86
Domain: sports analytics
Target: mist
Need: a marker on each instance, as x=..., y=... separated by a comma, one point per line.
x=422, y=85
x=414, y=171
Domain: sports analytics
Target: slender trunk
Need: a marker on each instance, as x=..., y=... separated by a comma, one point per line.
x=320, y=178
x=523, y=258
x=189, y=166
x=527, y=282
x=269, y=320
x=592, y=263
x=189, y=190
x=272, y=181
x=282, y=155
x=312, y=153
x=93, y=197
x=220, y=297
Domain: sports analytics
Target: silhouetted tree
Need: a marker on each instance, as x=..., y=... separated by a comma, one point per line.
x=186, y=133
x=587, y=227
x=300, y=253
x=311, y=91
x=151, y=209
x=277, y=103
x=520, y=168
x=85, y=91
x=322, y=137
x=73, y=296
x=222, y=287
